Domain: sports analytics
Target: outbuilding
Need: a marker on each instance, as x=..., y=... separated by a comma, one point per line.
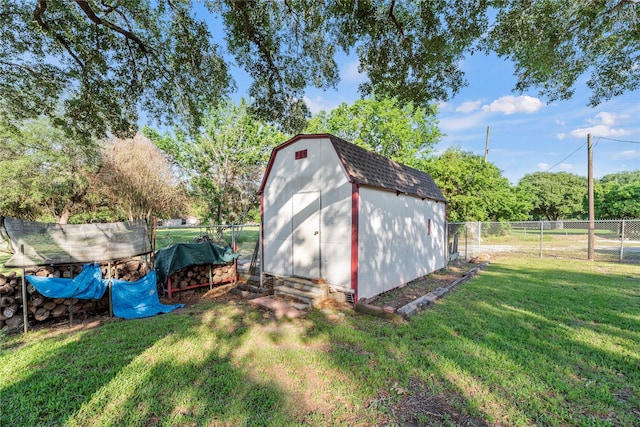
x=335, y=213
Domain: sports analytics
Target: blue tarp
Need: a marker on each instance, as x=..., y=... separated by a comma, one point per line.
x=87, y=285
x=131, y=300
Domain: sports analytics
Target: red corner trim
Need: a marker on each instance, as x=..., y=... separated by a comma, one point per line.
x=355, y=209
x=261, y=236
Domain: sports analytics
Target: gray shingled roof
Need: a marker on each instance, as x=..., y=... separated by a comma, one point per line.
x=368, y=168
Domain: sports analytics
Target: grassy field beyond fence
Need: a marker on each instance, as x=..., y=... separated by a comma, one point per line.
x=527, y=342
x=245, y=236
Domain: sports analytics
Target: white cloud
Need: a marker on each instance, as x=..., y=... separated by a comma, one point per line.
x=626, y=155
x=605, y=118
x=453, y=124
x=598, y=130
x=443, y=106
x=561, y=136
x=350, y=74
x=468, y=106
x=514, y=104
x=602, y=125
x=563, y=167
x=318, y=103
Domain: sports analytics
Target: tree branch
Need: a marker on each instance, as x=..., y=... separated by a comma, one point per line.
x=86, y=8
x=251, y=34
x=394, y=19
x=23, y=67
x=38, y=12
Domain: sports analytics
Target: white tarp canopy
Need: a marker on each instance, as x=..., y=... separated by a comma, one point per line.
x=37, y=243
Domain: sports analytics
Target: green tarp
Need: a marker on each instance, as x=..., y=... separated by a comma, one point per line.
x=177, y=257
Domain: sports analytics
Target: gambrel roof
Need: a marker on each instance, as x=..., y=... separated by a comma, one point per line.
x=367, y=168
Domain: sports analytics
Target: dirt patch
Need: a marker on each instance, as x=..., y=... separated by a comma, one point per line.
x=419, y=406
x=403, y=295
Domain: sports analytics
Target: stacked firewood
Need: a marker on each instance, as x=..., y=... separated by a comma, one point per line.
x=10, y=300
x=41, y=308
x=130, y=270
x=195, y=275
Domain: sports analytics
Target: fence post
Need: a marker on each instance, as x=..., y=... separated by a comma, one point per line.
x=233, y=238
x=479, y=238
x=25, y=315
x=466, y=243
x=622, y=241
x=446, y=242
x=541, y=236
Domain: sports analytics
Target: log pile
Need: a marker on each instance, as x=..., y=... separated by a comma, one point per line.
x=41, y=308
x=129, y=270
x=10, y=299
x=201, y=275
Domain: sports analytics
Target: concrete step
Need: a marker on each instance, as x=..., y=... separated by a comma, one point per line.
x=310, y=296
x=304, y=284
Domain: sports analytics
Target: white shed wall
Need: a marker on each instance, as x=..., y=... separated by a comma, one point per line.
x=321, y=171
x=394, y=245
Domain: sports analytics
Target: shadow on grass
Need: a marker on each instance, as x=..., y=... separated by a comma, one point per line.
x=545, y=344
x=538, y=345
x=138, y=372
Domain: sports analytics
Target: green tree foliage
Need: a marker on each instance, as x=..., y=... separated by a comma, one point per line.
x=404, y=134
x=225, y=163
x=43, y=174
x=621, y=178
x=409, y=50
x=91, y=65
x=617, y=196
x=555, y=196
x=475, y=189
x=555, y=42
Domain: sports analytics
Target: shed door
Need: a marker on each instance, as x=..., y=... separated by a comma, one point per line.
x=306, y=234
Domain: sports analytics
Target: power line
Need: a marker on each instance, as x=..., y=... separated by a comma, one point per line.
x=577, y=149
x=618, y=140
x=594, y=145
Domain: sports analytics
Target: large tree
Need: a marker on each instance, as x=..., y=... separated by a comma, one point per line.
x=44, y=175
x=404, y=134
x=617, y=196
x=475, y=189
x=225, y=163
x=92, y=64
x=555, y=42
x=555, y=196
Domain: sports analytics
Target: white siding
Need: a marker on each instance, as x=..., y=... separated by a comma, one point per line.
x=320, y=171
x=394, y=244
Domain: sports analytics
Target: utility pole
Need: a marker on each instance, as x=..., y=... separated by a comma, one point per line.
x=486, y=144
x=592, y=233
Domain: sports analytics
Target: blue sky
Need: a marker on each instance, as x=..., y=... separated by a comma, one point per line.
x=527, y=134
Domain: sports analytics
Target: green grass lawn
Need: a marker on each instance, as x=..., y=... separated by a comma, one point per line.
x=245, y=238
x=527, y=342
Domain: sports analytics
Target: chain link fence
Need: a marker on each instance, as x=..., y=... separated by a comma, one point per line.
x=243, y=238
x=615, y=240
